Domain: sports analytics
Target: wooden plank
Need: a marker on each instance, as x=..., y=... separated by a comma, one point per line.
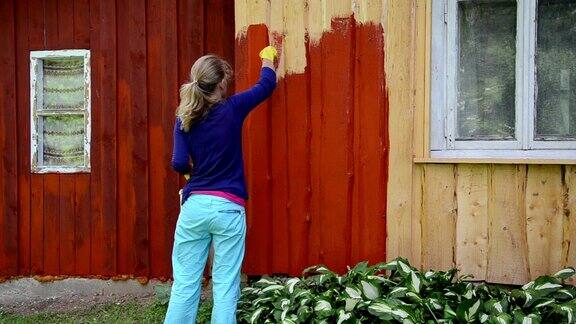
x=438, y=217
x=316, y=99
x=36, y=25
x=256, y=141
x=82, y=23
x=257, y=158
x=126, y=190
x=82, y=226
x=337, y=154
x=397, y=22
x=23, y=137
x=299, y=173
x=103, y=180
x=472, y=221
x=228, y=36
x=279, y=173
x=370, y=152
x=507, y=247
x=190, y=36
x=37, y=226
x=417, y=208
x=544, y=219
x=80, y=38
x=569, y=235
x=420, y=89
x=51, y=25
x=52, y=230
x=162, y=77
x=133, y=151
x=67, y=220
x=297, y=97
x=66, y=24
x=8, y=147
x=51, y=214
x=427, y=76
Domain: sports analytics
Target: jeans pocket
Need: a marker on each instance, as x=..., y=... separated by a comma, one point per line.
x=230, y=211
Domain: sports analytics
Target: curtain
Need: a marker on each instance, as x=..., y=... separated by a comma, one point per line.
x=63, y=134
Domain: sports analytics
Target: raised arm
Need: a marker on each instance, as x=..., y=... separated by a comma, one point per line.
x=246, y=101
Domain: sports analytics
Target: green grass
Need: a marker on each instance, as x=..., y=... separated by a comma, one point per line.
x=129, y=312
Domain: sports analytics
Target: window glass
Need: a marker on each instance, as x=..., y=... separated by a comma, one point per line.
x=63, y=83
x=63, y=140
x=486, y=73
x=556, y=70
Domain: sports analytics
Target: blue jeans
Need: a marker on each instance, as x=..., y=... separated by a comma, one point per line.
x=205, y=219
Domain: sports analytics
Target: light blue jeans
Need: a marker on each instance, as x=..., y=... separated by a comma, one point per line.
x=205, y=219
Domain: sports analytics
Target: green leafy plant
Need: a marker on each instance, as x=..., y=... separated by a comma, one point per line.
x=204, y=314
x=397, y=292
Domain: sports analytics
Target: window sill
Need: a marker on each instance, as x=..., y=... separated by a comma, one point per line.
x=501, y=157
x=45, y=170
x=490, y=161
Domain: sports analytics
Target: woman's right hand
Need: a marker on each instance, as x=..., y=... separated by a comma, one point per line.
x=269, y=53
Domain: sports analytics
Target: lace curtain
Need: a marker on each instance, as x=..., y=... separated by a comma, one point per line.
x=63, y=89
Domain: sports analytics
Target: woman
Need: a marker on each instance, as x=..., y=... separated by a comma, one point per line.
x=208, y=146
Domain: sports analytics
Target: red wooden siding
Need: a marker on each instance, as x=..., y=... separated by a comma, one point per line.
x=118, y=219
x=316, y=153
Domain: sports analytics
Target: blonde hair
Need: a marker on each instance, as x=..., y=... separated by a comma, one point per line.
x=199, y=94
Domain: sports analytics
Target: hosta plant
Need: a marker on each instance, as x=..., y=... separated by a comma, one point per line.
x=397, y=292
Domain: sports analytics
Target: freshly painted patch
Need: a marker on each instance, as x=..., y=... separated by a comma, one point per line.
x=316, y=152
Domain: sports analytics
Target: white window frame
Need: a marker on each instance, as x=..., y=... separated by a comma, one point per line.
x=444, y=85
x=36, y=92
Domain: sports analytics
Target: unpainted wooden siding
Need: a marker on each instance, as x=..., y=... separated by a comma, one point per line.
x=503, y=223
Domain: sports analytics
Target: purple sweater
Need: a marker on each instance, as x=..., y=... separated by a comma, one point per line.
x=211, y=151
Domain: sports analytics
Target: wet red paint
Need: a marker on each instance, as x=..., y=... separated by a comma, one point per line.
x=316, y=154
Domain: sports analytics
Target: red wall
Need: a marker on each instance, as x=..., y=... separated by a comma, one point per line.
x=317, y=154
x=119, y=218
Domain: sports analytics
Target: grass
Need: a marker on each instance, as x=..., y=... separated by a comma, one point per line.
x=129, y=312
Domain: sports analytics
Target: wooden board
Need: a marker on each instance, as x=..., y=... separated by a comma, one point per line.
x=103, y=183
x=507, y=247
x=569, y=235
x=415, y=257
x=370, y=154
x=397, y=22
x=8, y=147
x=162, y=51
x=23, y=137
x=472, y=221
x=438, y=217
x=544, y=219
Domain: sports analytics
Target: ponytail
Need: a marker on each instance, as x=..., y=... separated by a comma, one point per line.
x=198, y=96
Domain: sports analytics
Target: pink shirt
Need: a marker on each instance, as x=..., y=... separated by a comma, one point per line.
x=233, y=198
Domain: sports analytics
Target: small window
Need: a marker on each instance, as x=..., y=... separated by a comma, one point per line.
x=503, y=79
x=60, y=111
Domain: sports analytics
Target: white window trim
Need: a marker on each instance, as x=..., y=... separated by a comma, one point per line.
x=36, y=96
x=444, y=91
